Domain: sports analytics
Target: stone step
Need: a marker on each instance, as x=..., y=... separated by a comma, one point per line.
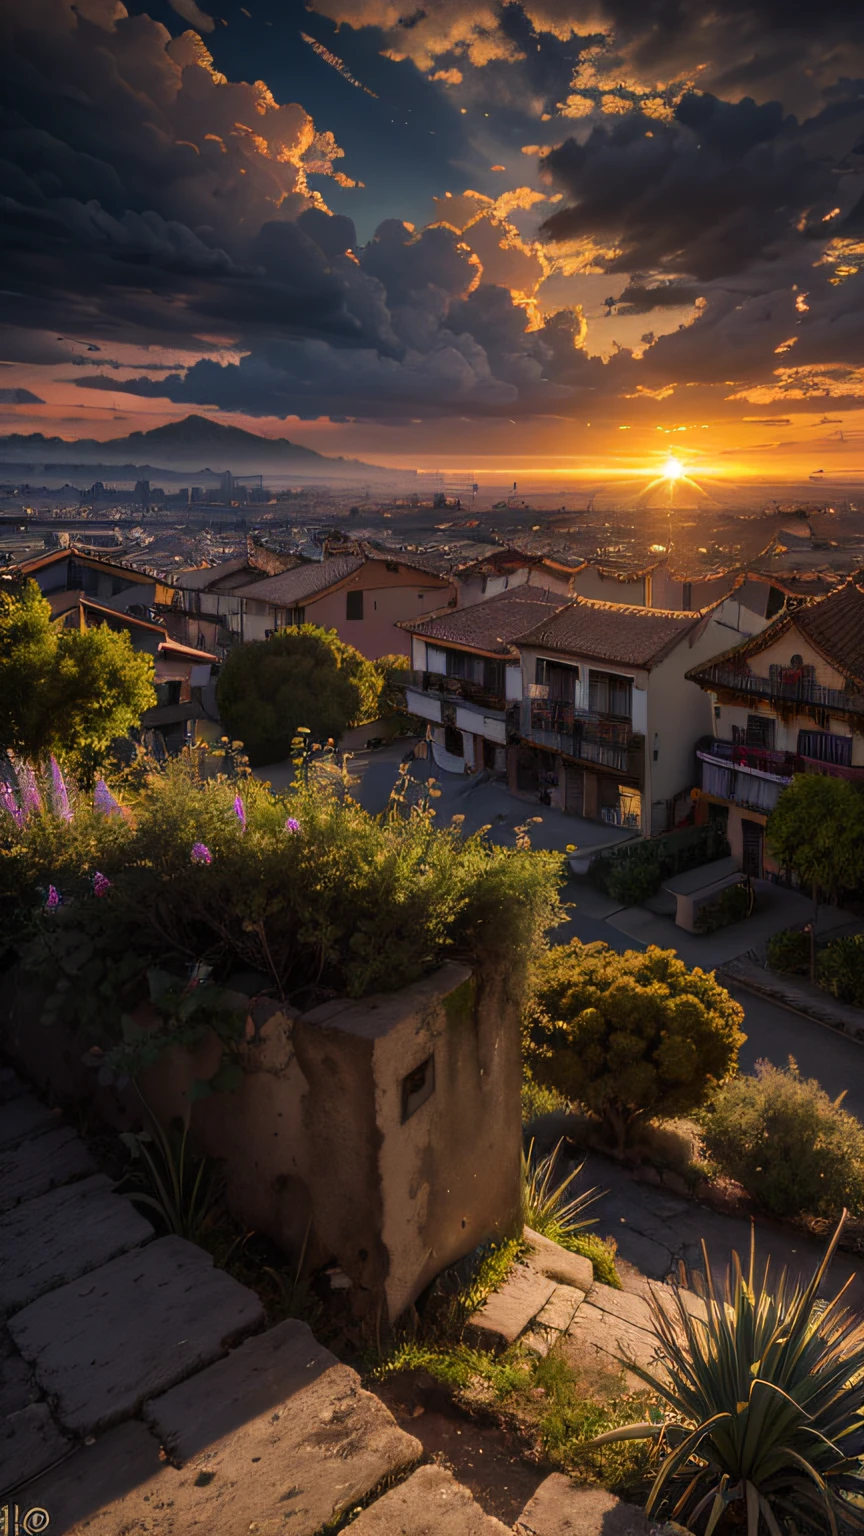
x=30, y=1442
x=509, y=1311
x=559, y=1509
x=540, y=1288
x=558, y=1263
x=53, y=1239
x=132, y=1328
x=31, y=1169
x=22, y=1117
x=430, y=1503
x=277, y=1437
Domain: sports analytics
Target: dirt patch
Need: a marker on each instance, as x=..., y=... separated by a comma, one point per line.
x=480, y=1455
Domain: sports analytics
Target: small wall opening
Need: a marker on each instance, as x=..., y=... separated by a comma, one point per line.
x=417, y=1086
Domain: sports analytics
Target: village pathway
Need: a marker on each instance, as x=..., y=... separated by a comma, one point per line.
x=140, y=1389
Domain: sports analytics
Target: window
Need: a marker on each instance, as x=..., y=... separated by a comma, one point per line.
x=167, y=693
x=354, y=605
x=417, y=1087
x=760, y=732
x=825, y=747
x=610, y=694
x=453, y=741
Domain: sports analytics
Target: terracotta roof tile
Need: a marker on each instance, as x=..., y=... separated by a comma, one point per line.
x=304, y=581
x=613, y=632
x=834, y=626
x=490, y=626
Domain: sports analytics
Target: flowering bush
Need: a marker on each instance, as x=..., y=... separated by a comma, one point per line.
x=203, y=877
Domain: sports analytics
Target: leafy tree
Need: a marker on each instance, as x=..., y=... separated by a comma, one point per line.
x=63, y=691
x=817, y=832
x=393, y=671
x=299, y=677
x=630, y=1036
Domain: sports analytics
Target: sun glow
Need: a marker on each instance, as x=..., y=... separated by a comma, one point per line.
x=673, y=469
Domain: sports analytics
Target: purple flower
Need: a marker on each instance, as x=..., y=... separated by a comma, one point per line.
x=59, y=793
x=103, y=800
x=240, y=812
x=53, y=899
x=31, y=800
x=9, y=802
x=292, y=824
x=101, y=884
x=201, y=854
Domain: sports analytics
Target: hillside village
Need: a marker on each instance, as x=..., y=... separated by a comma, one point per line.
x=424, y=1113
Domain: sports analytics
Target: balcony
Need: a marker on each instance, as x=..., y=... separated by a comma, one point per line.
x=754, y=777
x=587, y=738
x=786, y=687
x=455, y=688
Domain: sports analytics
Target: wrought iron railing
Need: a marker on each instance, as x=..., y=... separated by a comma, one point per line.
x=804, y=691
x=588, y=738
x=455, y=688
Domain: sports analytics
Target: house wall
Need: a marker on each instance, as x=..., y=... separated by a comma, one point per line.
x=788, y=723
x=317, y=1128
x=667, y=590
x=608, y=589
x=475, y=588
x=388, y=596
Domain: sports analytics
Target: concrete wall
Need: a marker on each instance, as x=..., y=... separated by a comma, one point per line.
x=319, y=1128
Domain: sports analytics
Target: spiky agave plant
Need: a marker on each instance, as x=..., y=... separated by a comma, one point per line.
x=545, y=1205
x=765, y=1429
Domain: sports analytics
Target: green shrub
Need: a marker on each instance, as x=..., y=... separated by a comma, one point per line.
x=789, y=951
x=537, y=1100
x=306, y=888
x=731, y=905
x=636, y=870
x=764, y=1408
x=794, y=1149
x=840, y=968
x=631, y=1037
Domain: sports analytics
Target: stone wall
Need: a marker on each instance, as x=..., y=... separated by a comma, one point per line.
x=384, y=1134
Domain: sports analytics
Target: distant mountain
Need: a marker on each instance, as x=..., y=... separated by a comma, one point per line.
x=194, y=445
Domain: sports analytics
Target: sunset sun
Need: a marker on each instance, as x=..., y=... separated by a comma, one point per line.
x=673, y=469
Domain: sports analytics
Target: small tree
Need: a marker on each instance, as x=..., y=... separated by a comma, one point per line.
x=817, y=832
x=305, y=676
x=71, y=692
x=630, y=1036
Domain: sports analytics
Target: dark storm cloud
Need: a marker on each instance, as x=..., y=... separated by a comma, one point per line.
x=145, y=197
x=705, y=195
x=20, y=397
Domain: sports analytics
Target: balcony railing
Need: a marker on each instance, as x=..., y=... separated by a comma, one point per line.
x=803, y=691
x=588, y=738
x=755, y=778
x=455, y=688
x=776, y=764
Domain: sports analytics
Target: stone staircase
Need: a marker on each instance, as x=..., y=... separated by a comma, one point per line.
x=140, y=1392
x=551, y=1297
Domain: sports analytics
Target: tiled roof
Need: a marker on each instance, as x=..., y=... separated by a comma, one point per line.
x=490, y=626
x=202, y=576
x=304, y=581
x=612, y=632
x=834, y=626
